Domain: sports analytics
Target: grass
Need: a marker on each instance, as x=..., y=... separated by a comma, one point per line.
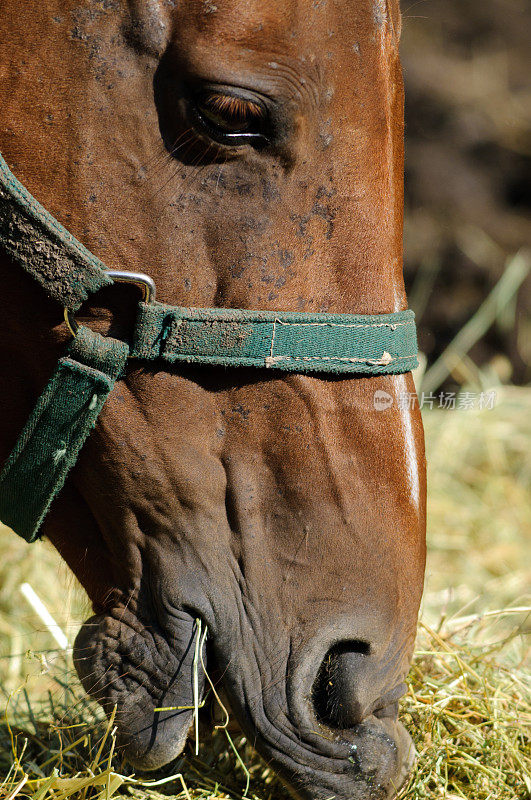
x=468, y=702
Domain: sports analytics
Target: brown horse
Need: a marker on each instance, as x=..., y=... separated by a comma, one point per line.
x=246, y=154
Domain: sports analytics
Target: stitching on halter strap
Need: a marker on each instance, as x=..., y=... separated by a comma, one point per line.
x=392, y=325
x=383, y=361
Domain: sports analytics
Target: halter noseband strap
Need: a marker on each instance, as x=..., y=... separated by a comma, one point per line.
x=70, y=404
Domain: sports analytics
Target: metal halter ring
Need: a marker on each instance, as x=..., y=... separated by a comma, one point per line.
x=144, y=282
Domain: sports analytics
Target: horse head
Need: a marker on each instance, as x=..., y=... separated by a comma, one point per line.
x=246, y=155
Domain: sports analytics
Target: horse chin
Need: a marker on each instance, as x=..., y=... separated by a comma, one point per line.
x=152, y=744
x=131, y=670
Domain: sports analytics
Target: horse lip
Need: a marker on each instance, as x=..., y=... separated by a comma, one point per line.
x=371, y=764
x=159, y=749
x=122, y=664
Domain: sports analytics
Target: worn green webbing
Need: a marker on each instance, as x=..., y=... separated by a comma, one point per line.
x=43, y=247
x=57, y=429
x=287, y=341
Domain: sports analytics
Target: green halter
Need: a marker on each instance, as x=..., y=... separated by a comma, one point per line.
x=70, y=404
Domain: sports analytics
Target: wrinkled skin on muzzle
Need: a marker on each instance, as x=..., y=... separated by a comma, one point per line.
x=286, y=512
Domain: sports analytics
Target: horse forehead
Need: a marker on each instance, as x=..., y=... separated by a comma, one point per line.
x=270, y=24
x=247, y=22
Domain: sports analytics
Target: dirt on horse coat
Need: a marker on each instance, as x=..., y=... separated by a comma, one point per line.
x=246, y=154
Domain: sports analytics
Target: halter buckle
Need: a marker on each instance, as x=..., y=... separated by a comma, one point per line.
x=144, y=282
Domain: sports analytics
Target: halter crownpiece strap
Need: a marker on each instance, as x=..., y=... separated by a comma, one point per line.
x=73, y=398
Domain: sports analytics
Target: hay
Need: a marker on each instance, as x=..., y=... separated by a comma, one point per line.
x=468, y=701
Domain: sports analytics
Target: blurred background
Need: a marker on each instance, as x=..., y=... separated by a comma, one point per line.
x=467, y=262
x=468, y=174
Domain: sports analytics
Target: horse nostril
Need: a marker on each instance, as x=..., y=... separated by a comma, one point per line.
x=338, y=691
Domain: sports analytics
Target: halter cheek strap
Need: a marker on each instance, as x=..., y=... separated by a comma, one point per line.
x=67, y=410
x=57, y=428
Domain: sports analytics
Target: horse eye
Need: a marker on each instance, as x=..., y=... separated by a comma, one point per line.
x=230, y=119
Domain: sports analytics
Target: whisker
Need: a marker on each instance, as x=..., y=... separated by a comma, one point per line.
x=194, y=174
x=164, y=151
x=176, y=173
x=220, y=171
x=166, y=157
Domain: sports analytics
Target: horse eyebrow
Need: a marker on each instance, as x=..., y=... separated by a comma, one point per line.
x=146, y=26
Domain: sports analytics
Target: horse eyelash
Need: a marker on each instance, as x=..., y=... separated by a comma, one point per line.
x=233, y=107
